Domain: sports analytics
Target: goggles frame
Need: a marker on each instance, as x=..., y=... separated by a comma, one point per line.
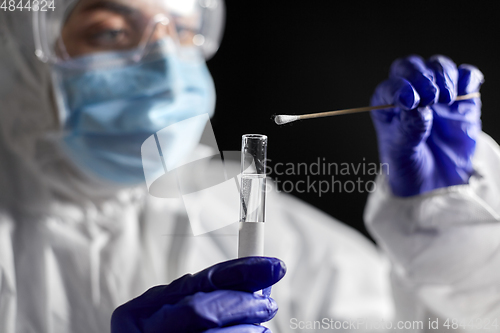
x=207, y=38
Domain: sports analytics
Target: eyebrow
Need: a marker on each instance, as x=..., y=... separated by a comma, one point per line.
x=113, y=7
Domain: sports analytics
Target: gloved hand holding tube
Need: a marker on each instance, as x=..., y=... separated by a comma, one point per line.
x=429, y=139
x=219, y=299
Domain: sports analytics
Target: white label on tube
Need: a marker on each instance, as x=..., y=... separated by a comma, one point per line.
x=251, y=239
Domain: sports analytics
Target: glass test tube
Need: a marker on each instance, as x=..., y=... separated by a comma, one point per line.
x=252, y=195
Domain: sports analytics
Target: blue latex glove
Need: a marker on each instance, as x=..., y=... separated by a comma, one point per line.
x=428, y=139
x=218, y=299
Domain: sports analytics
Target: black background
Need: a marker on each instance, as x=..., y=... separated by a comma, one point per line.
x=295, y=57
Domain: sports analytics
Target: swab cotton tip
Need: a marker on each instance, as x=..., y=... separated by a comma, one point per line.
x=284, y=119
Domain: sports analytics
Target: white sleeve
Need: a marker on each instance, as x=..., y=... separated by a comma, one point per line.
x=7, y=277
x=445, y=245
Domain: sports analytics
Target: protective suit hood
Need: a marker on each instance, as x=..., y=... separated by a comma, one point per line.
x=33, y=169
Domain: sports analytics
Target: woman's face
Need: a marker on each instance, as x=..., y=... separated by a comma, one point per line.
x=117, y=25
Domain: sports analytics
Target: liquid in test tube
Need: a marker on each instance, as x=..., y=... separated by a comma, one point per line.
x=252, y=195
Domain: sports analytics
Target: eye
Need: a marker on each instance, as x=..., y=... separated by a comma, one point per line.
x=110, y=38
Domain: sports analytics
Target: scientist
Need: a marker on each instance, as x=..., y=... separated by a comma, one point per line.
x=80, y=236
x=79, y=233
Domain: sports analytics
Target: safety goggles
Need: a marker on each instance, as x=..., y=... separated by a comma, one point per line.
x=72, y=29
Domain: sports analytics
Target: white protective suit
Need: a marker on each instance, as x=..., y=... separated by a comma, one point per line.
x=445, y=247
x=73, y=249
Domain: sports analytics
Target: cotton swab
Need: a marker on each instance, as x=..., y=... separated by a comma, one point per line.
x=285, y=119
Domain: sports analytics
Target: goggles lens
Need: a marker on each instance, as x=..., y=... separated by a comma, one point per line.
x=93, y=26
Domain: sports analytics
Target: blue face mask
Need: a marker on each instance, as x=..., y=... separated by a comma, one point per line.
x=110, y=111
